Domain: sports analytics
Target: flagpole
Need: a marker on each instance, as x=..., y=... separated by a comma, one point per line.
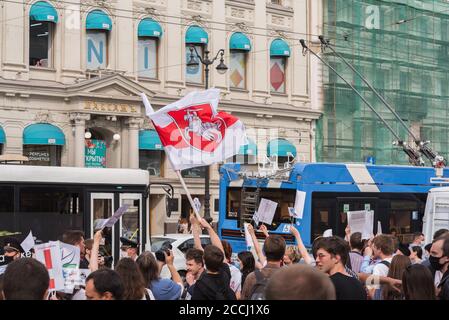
x=178, y=173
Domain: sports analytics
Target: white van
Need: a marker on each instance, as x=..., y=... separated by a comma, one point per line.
x=436, y=215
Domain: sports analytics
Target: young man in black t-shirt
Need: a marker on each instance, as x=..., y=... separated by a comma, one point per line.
x=213, y=284
x=331, y=257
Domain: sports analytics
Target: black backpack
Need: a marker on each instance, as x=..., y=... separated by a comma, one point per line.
x=258, y=292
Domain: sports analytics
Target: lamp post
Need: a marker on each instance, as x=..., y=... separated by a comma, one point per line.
x=221, y=68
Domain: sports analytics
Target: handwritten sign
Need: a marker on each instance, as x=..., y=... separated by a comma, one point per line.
x=266, y=210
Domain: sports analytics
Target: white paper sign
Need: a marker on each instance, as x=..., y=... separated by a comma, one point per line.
x=291, y=211
x=327, y=233
x=115, y=217
x=249, y=240
x=70, y=255
x=197, y=204
x=379, y=227
x=300, y=201
x=49, y=254
x=28, y=243
x=256, y=218
x=361, y=221
x=266, y=211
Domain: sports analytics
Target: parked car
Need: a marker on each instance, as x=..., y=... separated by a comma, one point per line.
x=180, y=244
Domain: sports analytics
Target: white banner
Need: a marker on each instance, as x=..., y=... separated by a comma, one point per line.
x=361, y=221
x=300, y=201
x=49, y=254
x=249, y=240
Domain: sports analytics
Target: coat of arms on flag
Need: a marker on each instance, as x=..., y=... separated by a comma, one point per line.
x=194, y=133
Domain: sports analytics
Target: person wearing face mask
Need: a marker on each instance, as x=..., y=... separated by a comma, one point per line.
x=129, y=249
x=439, y=266
x=12, y=249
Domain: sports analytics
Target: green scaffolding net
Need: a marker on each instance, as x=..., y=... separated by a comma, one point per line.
x=402, y=49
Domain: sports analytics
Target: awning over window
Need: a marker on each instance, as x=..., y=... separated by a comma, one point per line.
x=279, y=48
x=42, y=134
x=98, y=20
x=149, y=140
x=149, y=28
x=281, y=148
x=196, y=34
x=239, y=41
x=2, y=136
x=43, y=11
x=249, y=149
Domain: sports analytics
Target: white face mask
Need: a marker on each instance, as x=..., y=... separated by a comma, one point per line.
x=123, y=254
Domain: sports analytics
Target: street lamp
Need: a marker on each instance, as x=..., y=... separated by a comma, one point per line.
x=221, y=69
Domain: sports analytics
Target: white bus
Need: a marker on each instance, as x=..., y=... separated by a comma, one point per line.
x=51, y=200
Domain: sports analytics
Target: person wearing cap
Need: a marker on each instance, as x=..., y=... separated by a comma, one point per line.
x=12, y=248
x=129, y=248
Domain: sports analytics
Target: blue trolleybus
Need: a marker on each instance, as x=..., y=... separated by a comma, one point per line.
x=396, y=194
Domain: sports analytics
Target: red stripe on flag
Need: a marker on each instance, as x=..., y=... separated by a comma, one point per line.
x=52, y=284
x=47, y=257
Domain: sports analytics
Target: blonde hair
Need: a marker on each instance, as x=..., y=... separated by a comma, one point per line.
x=293, y=253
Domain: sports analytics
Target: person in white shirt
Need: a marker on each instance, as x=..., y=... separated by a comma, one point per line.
x=383, y=249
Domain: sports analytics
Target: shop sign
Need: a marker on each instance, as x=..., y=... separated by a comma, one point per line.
x=110, y=107
x=95, y=154
x=43, y=156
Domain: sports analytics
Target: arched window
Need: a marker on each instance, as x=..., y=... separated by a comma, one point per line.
x=151, y=152
x=2, y=139
x=239, y=45
x=279, y=52
x=149, y=32
x=98, y=25
x=283, y=149
x=42, y=144
x=43, y=19
x=195, y=36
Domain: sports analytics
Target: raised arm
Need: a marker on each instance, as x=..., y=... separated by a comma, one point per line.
x=214, y=239
x=302, y=249
x=347, y=233
x=196, y=231
x=169, y=259
x=260, y=255
x=93, y=265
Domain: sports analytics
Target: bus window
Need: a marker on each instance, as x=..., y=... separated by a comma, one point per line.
x=130, y=220
x=233, y=204
x=284, y=199
x=48, y=212
x=401, y=218
x=103, y=209
x=6, y=210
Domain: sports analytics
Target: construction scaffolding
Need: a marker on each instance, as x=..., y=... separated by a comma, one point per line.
x=402, y=49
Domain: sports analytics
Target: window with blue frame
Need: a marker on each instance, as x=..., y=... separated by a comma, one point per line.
x=43, y=18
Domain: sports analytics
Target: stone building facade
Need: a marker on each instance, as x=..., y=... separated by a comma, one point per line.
x=71, y=73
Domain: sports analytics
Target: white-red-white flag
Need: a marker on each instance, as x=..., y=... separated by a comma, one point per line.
x=194, y=133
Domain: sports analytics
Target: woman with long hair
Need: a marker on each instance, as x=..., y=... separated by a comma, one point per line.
x=416, y=254
x=247, y=264
x=417, y=283
x=133, y=281
x=397, y=267
x=163, y=289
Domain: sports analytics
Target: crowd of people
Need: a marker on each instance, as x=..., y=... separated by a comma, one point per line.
x=380, y=268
